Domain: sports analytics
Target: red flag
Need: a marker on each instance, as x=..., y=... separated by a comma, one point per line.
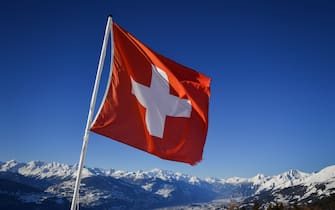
x=154, y=104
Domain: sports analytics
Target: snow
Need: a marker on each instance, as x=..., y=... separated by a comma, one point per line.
x=236, y=180
x=165, y=191
x=211, y=180
x=323, y=175
x=330, y=185
x=281, y=181
x=11, y=166
x=325, y=178
x=44, y=170
x=148, y=187
x=86, y=173
x=38, y=168
x=287, y=179
x=262, y=182
x=154, y=173
x=281, y=199
x=119, y=174
x=194, y=180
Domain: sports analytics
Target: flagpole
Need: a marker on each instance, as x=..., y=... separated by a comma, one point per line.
x=75, y=198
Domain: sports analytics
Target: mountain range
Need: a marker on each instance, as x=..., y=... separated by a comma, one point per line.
x=41, y=185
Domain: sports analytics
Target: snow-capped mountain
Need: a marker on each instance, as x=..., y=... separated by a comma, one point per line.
x=36, y=185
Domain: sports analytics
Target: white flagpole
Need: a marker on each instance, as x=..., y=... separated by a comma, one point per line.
x=75, y=198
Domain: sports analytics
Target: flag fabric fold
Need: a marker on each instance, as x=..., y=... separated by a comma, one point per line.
x=153, y=103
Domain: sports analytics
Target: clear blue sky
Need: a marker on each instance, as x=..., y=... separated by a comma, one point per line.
x=272, y=65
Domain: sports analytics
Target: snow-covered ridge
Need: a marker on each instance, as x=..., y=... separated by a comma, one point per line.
x=105, y=186
x=261, y=182
x=46, y=170
x=39, y=169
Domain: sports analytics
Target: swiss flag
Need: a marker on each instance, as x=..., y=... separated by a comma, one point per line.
x=154, y=104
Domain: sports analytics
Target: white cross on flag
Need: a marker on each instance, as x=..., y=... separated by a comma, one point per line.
x=158, y=102
x=154, y=104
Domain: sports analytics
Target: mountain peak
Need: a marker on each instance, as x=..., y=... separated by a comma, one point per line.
x=108, y=184
x=38, y=168
x=11, y=165
x=294, y=174
x=259, y=179
x=329, y=171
